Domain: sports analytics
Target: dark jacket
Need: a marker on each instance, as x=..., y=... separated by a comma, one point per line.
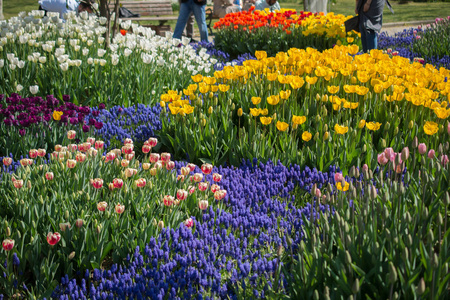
x=373, y=18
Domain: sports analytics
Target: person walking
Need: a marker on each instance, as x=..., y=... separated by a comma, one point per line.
x=65, y=6
x=370, y=21
x=197, y=7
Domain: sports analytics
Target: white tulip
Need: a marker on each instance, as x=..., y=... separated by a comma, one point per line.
x=90, y=42
x=64, y=66
x=90, y=61
x=101, y=52
x=19, y=87
x=101, y=40
x=127, y=52
x=12, y=67
x=102, y=62
x=34, y=89
x=2, y=63
x=42, y=59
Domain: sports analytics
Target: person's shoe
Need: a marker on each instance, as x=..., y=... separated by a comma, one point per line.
x=193, y=41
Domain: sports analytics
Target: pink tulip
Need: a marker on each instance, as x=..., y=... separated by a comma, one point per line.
x=203, y=204
x=7, y=161
x=127, y=149
x=207, y=168
x=110, y=156
x=97, y=183
x=101, y=206
x=185, y=171
x=146, y=149
x=41, y=152
x=191, y=190
x=71, y=134
x=99, y=145
x=191, y=167
x=431, y=154
x=49, y=176
x=165, y=157
x=198, y=177
x=444, y=160
x=79, y=223
x=8, y=244
x=389, y=153
x=154, y=157
x=219, y=195
x=170, y=165
x=338, y=177
x=53, y=238
x=80, y=157
x=118, y=183
x=18, y=184
x=168, y=200
x=182, y=194
x=217, y=177
x=180, y=178
x=129, y=172
x=128, y=141
x=189, y=223
x=448, y=128
x=120, y=208
x=152, y=142
x=318, y=193
x=71, y=163
x=214, y=188
x=124, y=163
x=64, y=226
x=91, y=140
x=203, y=186
x=33, y=153
x=141, y=182
x=422, y=148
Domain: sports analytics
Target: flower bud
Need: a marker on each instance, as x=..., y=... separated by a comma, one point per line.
x=421, y=287
x=239, y=112
x=392, y=273
x=71, y=255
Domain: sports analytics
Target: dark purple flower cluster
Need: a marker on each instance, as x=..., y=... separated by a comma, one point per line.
x=403, y=43
x=118, y=123
x=226, y=248
x=24, y=112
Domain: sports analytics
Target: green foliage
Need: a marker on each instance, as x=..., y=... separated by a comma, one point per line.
x=434, y=41
x=384, y=239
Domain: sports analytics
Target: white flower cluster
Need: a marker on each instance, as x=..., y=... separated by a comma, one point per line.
x=79, y=41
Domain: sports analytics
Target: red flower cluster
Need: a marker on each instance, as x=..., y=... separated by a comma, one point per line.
x=250, y=20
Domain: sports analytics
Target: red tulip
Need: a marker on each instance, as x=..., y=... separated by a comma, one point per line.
x=168, y=200
x=97, y=183
x=207, y=168
x=91, y=140
x=191, y=167
x=53, y=238
x=182, y=194
x=214, y=188
x=198, y=177
x=71, y=134
x=79, y=223
x=146, y=149
x=203, y=204
x=101, y=206
x=118, y=183
x=49, y=176
x=203, y=186
x=189, y=222
x=165, y=157
x=7, y=161
x=41, y=152
x=18, y=183
x=99, y=144
x=120, y=208
x=154, y=157
x=8, y=244
x=33, y=153
x=217, y=177
x=152, y=142
x=170, y=165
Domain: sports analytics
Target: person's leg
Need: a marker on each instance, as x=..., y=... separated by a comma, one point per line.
x=190, y=26
x=185, y=11
x=371, y=38
x=363, y=32
x=200, y=17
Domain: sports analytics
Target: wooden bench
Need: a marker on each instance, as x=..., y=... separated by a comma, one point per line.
x=210, y=16
x=150, y=10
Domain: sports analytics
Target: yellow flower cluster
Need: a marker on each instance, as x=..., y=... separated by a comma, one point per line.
x=330, y=25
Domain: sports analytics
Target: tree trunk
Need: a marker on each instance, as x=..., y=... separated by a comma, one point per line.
x=1, y=10
x=105, y=12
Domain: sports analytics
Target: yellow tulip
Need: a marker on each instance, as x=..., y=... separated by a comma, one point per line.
x=192, y=87
x=224, y=88
x=57, y=115
x=266, y=120
x=264, y=111
x=282, y=126
x=332, y=89
x=361, y=124
x=430, y=128
x=209, y=80
x=299, y=120
x=297, y=82
x=214, y=88
x=239, y=112
x=340, y=129
x=306, y=136
x=272, y=76
x=342, y=188
x=260, y=55
x=311, y=80
x=285, y=94
x=256, y=100
x=197, y=78
x=255, y=112
x=273, y=100
x=374, y=126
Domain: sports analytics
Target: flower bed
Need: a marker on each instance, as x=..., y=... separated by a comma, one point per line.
x=58, y=58
x=426, y=45
x=304, y=106
x=249, y=31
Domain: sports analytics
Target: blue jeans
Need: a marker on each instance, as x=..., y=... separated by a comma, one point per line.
x=199, y=13
x=368, y=38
